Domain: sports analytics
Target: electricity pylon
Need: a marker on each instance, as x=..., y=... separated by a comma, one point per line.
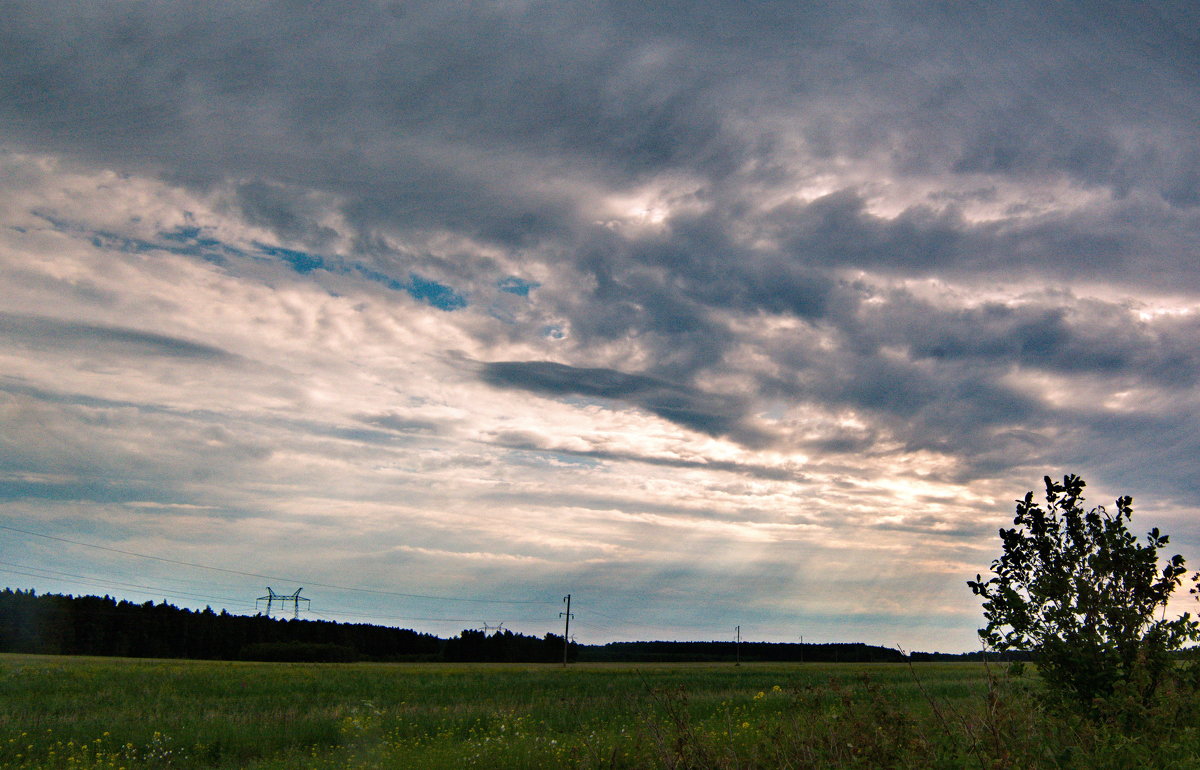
x=273, y=597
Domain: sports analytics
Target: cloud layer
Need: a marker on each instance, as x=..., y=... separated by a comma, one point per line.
x=726, y=313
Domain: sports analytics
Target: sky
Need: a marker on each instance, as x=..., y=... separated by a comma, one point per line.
x=713, y=314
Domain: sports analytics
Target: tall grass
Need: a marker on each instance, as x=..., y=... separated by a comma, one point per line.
x=93, y=712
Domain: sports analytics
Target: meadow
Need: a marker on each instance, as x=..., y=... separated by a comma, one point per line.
x=128, y=713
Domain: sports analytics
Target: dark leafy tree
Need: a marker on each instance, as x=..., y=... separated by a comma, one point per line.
x=91, y=625
x=1080, y=593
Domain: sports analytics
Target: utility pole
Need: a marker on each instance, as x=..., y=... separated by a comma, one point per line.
x=566, y=628
x=738, y=647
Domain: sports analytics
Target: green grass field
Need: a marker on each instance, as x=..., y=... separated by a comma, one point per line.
x=102, y=712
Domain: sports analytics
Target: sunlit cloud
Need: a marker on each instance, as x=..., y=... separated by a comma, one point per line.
x=712, y=318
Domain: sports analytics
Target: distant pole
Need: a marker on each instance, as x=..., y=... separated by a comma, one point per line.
x=566, y=628
x=738, y=647
x=801, y=648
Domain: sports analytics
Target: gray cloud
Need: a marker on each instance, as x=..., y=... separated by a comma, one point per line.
x=709, y=413
x=41, y=333
x=631, y=89
x=287, y=212
x=937, y=244
x=531, y=443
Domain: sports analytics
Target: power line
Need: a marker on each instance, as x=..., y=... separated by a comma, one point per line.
x=104, y=583
x=331, y=615
x=338, y=613
x=603, y=615
x=276, y=577
x=377, y=616
x=99, y=583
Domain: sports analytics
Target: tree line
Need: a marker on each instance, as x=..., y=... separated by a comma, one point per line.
x=55, y=624
x=91, y=625
x=58, y=624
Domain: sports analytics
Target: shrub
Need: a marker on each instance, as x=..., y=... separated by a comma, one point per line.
x=1078, y=591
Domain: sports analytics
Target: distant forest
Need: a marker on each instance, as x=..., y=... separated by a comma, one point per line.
x=92, y=625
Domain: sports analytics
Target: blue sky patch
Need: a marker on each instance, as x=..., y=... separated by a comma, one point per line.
x=182, y=234
x=184, y=241
x=193, y=244
x=383, y=278
x=192, y=237
x=300, y=261
x=439, y=295
x=190, y=241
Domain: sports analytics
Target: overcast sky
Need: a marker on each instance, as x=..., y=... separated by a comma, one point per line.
x=707, y=313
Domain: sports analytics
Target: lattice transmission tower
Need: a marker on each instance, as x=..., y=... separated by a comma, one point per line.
x=272, y=597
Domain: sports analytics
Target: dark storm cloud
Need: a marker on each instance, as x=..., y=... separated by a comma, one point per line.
x=709, y=413
x=1150, y=454
x=334, y=97
x=472, y=116
x=509, y=123
x=42, y=333
x=947, y=406
x=702, y=262
x=836, y=230
x=1139, y=243
x=901, y=246
x=286, y=211
x=1056, y=332
x=375, y=103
